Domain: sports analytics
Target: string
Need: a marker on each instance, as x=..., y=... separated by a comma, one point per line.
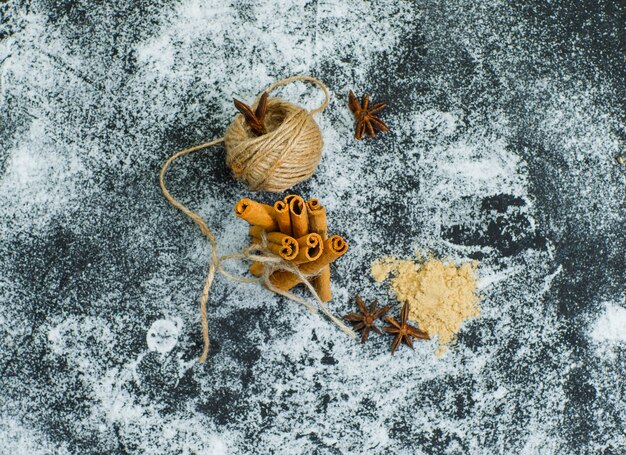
x=317, y=82
x=205, y=230
x=271, y=261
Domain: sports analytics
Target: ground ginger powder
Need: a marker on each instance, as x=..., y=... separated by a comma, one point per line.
x=441, y=296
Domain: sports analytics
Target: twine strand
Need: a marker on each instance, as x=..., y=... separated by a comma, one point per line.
x=256, y=252
x=313, y=80
x=274, y=263
x=205, y=230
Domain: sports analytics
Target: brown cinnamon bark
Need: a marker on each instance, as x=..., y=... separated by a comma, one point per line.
x=334, y=247
x=256, y=268
x=296, y=231
x=299, y=217
x=278, y=243
x=287, y=199
x=273, y=237
x=311, y=247
x=317, y=217
x=317, y=224
x=282, y=217
x=321, y=283
x=257, y=214
x=287, y=252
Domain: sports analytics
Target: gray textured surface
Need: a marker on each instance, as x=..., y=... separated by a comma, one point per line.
x=505, y=119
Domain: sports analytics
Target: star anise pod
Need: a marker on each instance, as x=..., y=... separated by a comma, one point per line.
x=403, y=331
x=366, y=121
x=255, y=118
x=366, y=317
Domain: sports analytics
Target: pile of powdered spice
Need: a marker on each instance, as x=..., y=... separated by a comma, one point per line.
x=440, y=295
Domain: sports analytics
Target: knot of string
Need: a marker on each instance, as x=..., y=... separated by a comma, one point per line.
x=259, y=252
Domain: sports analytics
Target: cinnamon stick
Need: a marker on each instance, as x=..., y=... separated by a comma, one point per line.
x=334, y=247
x=278, y=243
x=299, y=217
x=287, y=199
x=273, y=237
x=287, y=252
x=317, y=217
x=317, y=224
x=256, y=268
x=282, y=217
x=311, y=247
x=257, y=214
x=321, y=283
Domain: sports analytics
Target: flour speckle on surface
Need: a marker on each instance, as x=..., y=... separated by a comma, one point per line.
x=611, y=326
x=162, y=336
x=505, y=118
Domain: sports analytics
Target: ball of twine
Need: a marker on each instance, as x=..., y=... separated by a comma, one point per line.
x=275, y=161
x=287, y=154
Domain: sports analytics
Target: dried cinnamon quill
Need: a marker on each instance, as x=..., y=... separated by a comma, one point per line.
x=311, y=247
x=257, y=214
x=296, y=232
x=317, y=224
x=299, y=217
x=283, y=218
x=334, y=247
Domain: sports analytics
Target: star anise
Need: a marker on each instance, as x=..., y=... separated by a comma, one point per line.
x=255, y=118
x=366, y=317
x=366, y=121
x=403, y=331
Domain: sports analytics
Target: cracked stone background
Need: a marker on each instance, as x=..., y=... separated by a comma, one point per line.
x=505, y=120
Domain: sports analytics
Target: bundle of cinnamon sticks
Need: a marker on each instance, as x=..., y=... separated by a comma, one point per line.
x=297, y=232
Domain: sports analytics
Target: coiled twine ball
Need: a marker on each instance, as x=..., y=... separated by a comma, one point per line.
x=287, y=154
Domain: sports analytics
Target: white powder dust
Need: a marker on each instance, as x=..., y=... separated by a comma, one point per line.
x=97, y=97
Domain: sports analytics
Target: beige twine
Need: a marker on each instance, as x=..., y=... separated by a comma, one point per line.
x=287, y=154
x=272, y=262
